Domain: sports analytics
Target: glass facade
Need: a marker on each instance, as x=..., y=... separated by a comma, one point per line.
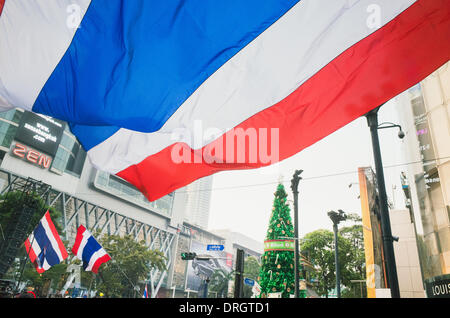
x=426, y=113
x=9, y=121
x=70, y=156
x=124, y=190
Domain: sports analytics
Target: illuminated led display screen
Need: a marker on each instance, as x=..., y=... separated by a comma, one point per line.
x=40, y=132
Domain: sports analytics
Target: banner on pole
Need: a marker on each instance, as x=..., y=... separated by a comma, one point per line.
x=279, y=245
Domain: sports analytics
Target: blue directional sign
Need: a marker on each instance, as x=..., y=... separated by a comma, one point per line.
x=249, y=281
x=215, y=247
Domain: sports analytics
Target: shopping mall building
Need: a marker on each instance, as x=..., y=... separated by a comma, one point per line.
x=424, y=111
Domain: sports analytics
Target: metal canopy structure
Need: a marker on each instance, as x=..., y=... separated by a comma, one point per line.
x=76, y=211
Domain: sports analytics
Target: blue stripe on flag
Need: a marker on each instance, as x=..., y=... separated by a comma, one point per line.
x=44, y=242
x=133, y=63
x=91, y=136
x=89, y=249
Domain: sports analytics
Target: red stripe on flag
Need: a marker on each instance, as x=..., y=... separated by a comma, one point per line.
x=30, y=250
x=2, y=3
x=99, y=262
x=32, y=256
x=55, y=233
x=78, y=239
x=38, y=269
x=376, y=69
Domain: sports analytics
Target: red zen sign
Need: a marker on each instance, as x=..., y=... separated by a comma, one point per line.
x=32, y=156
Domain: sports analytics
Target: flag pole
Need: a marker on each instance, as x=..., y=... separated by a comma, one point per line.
x=90, y=285
x=123, y=273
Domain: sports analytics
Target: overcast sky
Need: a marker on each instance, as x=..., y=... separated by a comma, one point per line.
x=241, y=201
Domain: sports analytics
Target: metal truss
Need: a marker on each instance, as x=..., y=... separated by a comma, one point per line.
x=76, y=211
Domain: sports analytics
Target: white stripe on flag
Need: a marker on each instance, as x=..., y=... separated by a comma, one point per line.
x=101, y=252
x=46, y=266
x=85, y=237
x=34, y=245
x=44, y=28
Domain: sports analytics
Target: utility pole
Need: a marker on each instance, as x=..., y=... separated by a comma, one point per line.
x=294, y=186
x=336, y=218
x=388, y=246
x=205, y=287
x=239, y=278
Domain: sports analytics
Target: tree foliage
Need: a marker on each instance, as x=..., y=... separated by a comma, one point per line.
x=319, y=248
x=251, y=270
x=13, y=201
x=356, y=261
x=219, y=282
x=131, y=262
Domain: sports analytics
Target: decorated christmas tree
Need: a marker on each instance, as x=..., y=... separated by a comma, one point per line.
x=277, y=265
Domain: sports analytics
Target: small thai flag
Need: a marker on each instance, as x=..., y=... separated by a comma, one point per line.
x=44, y=246
x=145, y=292
x=87, y=249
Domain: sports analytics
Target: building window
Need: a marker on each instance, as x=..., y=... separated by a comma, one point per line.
x=9, y=121
x=7, y=133
x=12, y=115
x=126, y=191
x=70, y=156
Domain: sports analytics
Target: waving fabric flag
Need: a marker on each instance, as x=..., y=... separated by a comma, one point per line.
x=145, y=295
x=44, y=246
x=87, y=249
x=162, y=93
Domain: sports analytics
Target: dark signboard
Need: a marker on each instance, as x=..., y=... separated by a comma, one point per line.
x=40, y=132
x=438, y=287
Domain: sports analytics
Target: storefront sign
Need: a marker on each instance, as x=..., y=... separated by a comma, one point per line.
x=40, y=132
x=279, y=245
x=438, y=288
x=31, y=156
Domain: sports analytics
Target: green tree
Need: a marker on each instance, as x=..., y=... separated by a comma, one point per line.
x=251, y=270
x=12, y=202
x=319, y=247
x=277, y=274
x=130, y=264
x=55, y=277
x=356, y=261
x=219, y=282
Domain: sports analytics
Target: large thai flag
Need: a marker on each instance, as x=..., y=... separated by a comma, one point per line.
x=162, y=93
x=87, y=249
x=44, y=246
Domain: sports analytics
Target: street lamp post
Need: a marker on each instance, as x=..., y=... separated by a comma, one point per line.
x=388, y=246
x=336, y=218
x=294, y=186
x=205, y=291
